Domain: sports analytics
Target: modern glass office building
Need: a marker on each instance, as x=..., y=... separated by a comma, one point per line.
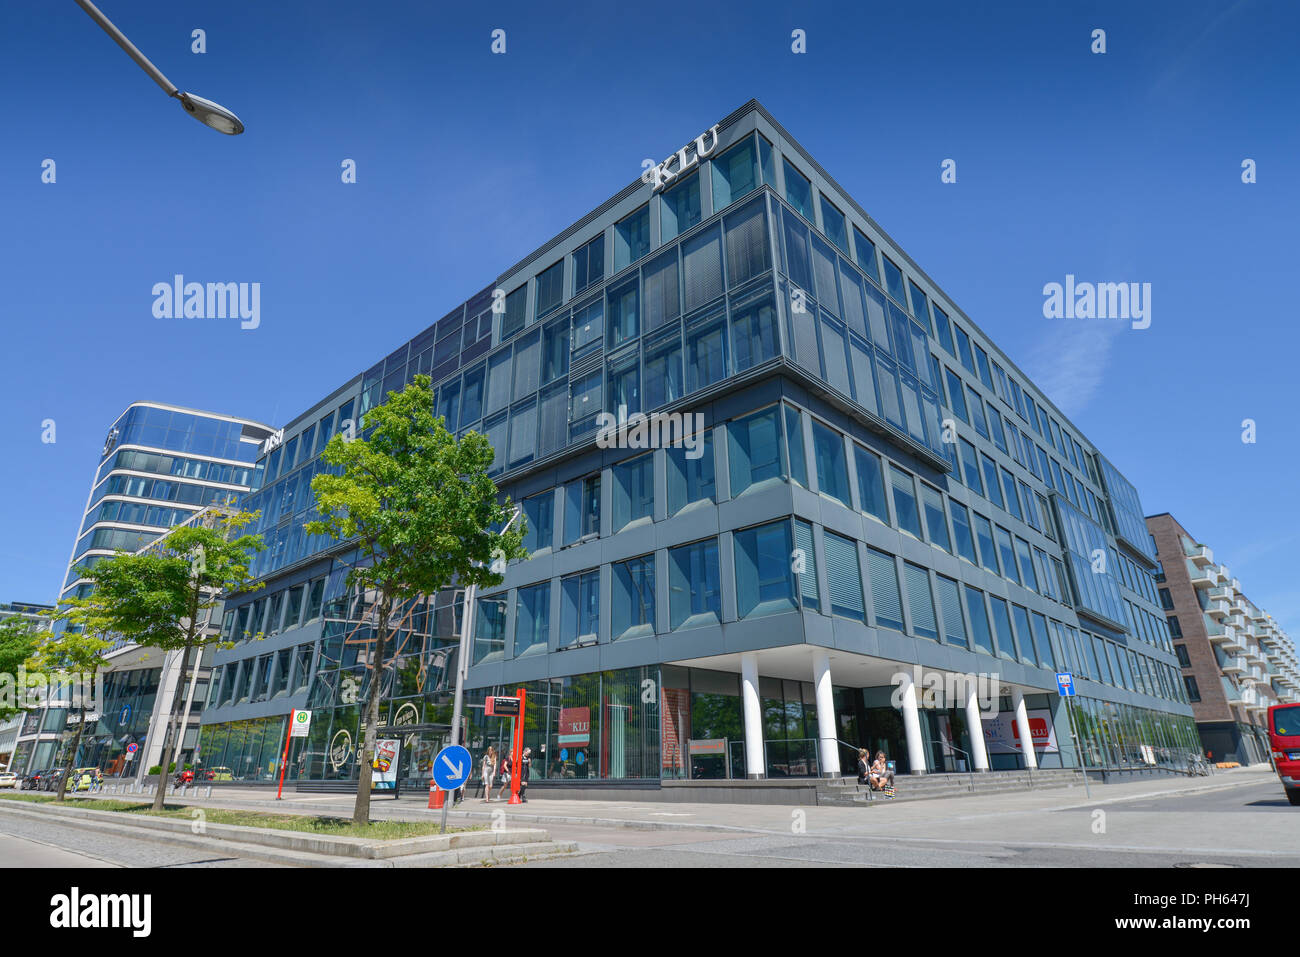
x=871, y=500
x=160, y=466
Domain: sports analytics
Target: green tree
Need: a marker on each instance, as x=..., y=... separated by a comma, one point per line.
x=18, y=642
x=421, y=508
x=77, y=653
x=162, y=598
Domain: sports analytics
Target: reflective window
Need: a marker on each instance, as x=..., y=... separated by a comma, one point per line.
x=871, y=484
x=886, y=604
x=634, y=486
x=798, y=191
x=690, y=472
x=905, y=510
x=935, y=522
x=631, y=238
x=634, y=597
x=532, y=617
x=589, y=264
x=764, y=573
x=679, y=208
x=694, y=590
x=538, y=512
x=832, y=468
x=735, y=173
x=580, y=611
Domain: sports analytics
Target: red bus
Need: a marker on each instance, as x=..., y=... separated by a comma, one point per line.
x=1284, y=738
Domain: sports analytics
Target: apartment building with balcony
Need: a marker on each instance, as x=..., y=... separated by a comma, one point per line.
x=1236, y=659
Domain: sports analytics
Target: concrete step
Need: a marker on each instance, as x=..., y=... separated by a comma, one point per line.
x=847, y=791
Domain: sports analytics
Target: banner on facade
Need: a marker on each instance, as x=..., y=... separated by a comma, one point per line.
x=575, y=728
x=1001, y=736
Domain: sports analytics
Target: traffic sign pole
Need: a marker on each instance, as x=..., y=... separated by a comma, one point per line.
x=517, y=752
x=284, y=758
x=1065, y=686
x=451, y=769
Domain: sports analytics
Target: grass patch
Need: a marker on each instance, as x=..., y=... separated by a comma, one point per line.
x=311, y=824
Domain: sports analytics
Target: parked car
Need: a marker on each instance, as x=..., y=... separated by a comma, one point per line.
x=9, y=780
x=220, y=774
x=51, y=779
x=83, y=779
x=33, y=780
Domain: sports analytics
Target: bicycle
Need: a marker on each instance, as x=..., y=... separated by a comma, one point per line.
x=1197, y=766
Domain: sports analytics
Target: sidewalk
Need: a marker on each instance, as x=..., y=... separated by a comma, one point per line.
x=877, y=818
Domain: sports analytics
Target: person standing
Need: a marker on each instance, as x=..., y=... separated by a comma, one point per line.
x=525, y=771
x=488, y=772
x=505, y=776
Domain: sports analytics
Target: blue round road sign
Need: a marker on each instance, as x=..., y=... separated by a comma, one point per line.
x=451, y=768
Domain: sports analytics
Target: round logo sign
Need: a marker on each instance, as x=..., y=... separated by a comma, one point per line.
x=340, y=750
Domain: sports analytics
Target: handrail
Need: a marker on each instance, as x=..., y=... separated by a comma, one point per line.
x=970, y=764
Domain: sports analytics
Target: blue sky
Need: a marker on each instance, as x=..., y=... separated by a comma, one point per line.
x=1123, y=166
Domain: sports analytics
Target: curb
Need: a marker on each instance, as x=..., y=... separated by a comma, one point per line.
x=300, y=849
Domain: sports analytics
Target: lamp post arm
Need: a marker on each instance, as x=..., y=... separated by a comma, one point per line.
x=120, y=39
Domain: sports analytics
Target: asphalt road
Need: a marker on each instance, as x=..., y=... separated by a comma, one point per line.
x=30, y=843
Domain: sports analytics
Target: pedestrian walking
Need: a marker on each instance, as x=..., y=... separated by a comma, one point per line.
x=488, y=773
x=525, y=771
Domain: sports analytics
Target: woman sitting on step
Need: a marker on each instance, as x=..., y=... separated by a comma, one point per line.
x=880, y=774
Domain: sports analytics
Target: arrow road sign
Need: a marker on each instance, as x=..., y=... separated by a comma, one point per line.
x=451, y=768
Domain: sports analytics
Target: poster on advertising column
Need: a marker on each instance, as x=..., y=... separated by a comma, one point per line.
x=384, y=776
x=1001, y=736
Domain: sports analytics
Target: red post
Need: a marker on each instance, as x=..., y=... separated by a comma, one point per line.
x=284, y=758
x=517, y=752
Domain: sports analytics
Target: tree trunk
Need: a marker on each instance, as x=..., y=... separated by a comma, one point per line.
x=72, y=757
x=173, y=725
x=361, y=810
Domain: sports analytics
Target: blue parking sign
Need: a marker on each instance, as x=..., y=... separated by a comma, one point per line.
x=1065, y=684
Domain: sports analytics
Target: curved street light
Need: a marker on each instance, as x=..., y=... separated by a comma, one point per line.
x=210, y=114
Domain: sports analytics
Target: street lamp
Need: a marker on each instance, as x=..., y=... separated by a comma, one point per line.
x=210, y=114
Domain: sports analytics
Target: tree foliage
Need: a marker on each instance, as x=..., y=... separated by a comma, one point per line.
x=424, y=514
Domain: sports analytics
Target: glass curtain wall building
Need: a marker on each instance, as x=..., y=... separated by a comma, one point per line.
x=160, y=466
x=864, y=493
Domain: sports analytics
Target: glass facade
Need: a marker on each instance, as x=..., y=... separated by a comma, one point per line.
x=866, y=454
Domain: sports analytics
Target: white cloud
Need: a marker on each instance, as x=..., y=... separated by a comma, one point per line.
x=1070, y=362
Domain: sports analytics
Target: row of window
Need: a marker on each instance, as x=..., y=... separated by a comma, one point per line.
x=269, y=615
x=182, y=431
x=158, y=463
x=287, y=671
x=767, y=446
x=138, y=513
x=776, y=571
x=164, y=490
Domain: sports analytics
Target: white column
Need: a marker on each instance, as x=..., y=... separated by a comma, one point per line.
x=912, y=724
x=828, y=750
x=1022, y=725
x=755, y=765
x=975, y=727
